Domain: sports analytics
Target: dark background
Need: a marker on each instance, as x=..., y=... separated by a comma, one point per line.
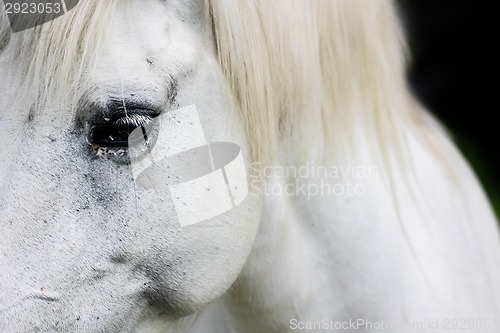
x=454, y=72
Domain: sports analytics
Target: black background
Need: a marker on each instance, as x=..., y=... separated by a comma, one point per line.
x=454, y=72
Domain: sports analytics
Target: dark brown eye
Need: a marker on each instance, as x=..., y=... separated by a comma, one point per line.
x=115, y=132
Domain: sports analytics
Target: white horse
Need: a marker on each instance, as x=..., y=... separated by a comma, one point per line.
x=299, y=85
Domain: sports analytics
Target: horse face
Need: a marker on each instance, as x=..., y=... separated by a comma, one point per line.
x=83, y=247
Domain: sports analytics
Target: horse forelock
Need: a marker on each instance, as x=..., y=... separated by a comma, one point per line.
x=50, y=59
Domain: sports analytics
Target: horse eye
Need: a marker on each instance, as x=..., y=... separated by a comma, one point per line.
x=117, y=132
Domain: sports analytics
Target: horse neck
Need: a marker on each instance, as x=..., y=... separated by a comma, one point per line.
x=285, y=272
x=310, y=248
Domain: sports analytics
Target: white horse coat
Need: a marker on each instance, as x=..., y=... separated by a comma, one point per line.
x=293, y=83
